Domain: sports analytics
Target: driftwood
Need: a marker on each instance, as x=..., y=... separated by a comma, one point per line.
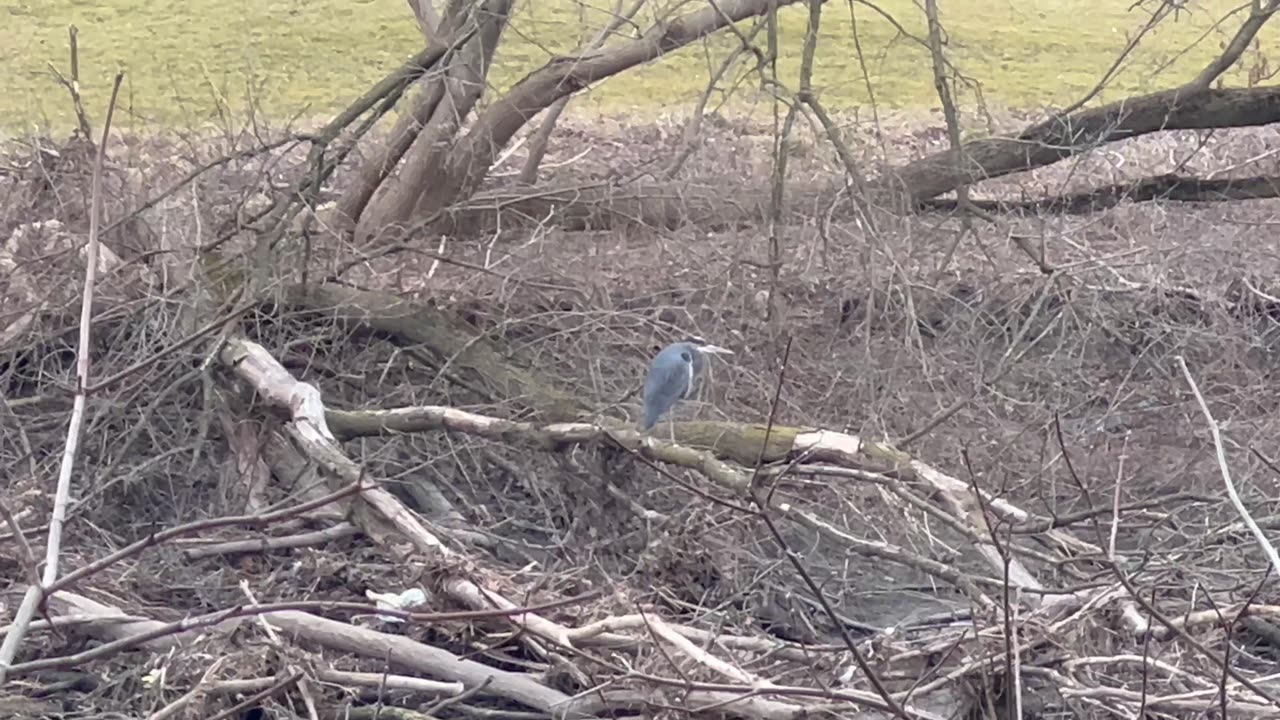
x=384, y=519
x=309, y=430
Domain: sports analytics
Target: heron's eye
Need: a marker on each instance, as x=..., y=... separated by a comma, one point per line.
x=686, y=357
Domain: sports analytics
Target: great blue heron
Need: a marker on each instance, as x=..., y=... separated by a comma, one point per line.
x=673, y=376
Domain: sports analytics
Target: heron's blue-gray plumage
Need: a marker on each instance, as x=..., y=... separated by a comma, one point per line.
x=671, y=378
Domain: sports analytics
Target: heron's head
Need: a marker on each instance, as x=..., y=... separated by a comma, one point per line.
x=698, y=350
x=703, y=346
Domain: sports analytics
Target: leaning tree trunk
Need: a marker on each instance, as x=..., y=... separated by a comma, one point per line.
x=385, y=156
x=1060, y=138
x=437, y=175
x=1195, y=105
x=461, y=87
x=541, y=138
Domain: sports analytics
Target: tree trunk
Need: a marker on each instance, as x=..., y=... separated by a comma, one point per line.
x=1058, y=138
x=428, y=18
x=351, y=205
x=538, y=146
x=384, y=158
x=428, y=142
x=541, y=139
x=1193, y=106
x=475, y=154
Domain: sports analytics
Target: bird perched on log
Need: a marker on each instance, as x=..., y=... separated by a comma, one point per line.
x=673, y=376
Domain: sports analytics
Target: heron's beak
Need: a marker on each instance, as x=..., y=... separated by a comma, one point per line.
x=716, y=350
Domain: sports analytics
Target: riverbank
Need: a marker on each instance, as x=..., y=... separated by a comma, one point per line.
x=215, y=62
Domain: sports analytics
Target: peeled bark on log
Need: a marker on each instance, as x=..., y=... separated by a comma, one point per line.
x=375, y=511
x=731, y=449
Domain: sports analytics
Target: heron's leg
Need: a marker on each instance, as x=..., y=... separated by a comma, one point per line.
x=704, y=387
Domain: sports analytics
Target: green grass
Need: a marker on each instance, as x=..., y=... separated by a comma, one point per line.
x=188, y=62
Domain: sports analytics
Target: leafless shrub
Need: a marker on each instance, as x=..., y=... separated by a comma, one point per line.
x=1048, y=382
x=881, y=341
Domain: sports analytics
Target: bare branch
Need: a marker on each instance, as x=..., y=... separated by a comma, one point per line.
x=1263, y=542
x=36, y=593
x=424, y=11
x=1194, y=105
x=538, y=145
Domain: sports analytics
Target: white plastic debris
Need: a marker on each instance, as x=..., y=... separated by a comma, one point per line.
x=404, y=600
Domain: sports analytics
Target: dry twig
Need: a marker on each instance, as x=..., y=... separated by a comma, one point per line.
x=36, y=592
x=1267, y=548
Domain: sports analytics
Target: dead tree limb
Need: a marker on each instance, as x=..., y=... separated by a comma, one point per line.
x=378, y=513
x=1178, y=188
x=1193, y=106
x=1059, y=138
x=36, y=593
x=408, y=653
x=719, y=451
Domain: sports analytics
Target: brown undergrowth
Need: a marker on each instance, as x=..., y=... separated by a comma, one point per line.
x=889, y=328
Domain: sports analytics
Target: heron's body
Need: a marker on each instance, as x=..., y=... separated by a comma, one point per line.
x=673, y=376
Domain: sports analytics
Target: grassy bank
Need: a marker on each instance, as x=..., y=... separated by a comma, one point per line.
x=188, y=62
